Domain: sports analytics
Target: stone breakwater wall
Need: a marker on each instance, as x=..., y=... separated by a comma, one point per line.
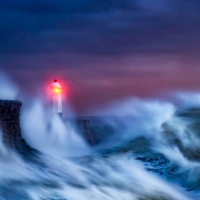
x=10, y=122
x=11, y=131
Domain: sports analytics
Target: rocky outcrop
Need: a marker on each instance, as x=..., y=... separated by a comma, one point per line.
x=10, y=127
x=10, y=122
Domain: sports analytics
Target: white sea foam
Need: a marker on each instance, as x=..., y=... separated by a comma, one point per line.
x=48, y=133
x=91, y=175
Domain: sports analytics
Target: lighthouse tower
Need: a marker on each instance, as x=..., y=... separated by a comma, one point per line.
x=56, y=98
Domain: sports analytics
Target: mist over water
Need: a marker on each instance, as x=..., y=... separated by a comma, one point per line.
x=150, y=151
x=48, y=133
x=8, y=90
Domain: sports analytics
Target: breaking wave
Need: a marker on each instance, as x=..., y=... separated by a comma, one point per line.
x=150, y=150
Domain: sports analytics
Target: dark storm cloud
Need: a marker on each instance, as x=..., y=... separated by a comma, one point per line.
x=69, y=6
x=103, y=48
x=29, y=26
x=99, y=27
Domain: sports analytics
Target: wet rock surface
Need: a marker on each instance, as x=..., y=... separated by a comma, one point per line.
x=10, y=126
x=9, y=122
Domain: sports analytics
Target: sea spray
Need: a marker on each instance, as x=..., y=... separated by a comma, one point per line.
x=48, y=133
x=165, y=167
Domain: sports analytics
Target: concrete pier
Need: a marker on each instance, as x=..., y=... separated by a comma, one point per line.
x=84, y=127
x=11, y=131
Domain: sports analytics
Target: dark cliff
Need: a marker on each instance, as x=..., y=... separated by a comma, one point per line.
x=10, y=127
x=10, y=122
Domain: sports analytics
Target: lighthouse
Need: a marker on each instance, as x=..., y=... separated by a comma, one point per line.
x=56, y=98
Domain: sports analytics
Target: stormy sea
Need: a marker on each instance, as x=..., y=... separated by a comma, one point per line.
x=145, y=150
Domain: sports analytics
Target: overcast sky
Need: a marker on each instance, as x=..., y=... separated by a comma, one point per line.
x=102, y=50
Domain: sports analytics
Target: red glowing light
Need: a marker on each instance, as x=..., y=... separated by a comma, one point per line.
x=56, y=88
